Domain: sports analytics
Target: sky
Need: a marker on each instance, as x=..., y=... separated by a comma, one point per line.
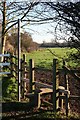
x=43, y=32
x=40, y=33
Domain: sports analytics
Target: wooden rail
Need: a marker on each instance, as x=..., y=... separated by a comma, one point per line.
x=55, y=89
x=60, y=94
x=4, y=64
x=71, y=73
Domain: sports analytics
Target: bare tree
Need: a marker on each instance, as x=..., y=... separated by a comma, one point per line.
x=69, y=13
x=11, y=12
x=66, y=16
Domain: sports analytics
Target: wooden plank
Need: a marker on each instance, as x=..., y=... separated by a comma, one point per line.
x=46, y=86
x=19, y=62
x=38, y=84
x=4, y=55
x=55, y=87
x=73, y=74
x=62, y=90
x=26, y=80
x=43, y=85
x=45, y=91
x=41, y=91
x=47, y=103
x=2, y=73
x=35, y=98
x=31, y=75
x=4, y=64
x=72, y=97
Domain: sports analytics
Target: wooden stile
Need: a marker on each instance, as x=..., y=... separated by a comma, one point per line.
x=55, y=87
x=31, y=76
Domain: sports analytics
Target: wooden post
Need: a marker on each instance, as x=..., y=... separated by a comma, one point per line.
x=61, y=101
x=37, y=99
x=11, y=61
x=14, y=56
x=13, y=65
x=3, y=41
x=65, y=82
x=24, y=76
x=19, y=62
x=21, y=78
x=55, y=87
x=60, y=94
x=66, y=88
x=16, y=72
x=67, y=97
x=31, y=76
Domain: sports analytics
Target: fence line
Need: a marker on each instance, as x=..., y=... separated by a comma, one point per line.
x=60, y=94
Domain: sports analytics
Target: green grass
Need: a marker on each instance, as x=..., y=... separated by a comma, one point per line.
x=44, y=57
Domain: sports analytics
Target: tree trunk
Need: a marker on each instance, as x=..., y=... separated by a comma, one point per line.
x=3, y=30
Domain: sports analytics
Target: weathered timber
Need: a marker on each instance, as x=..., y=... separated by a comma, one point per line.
x=31, y=76
x=45, y=91
x=5, y=64
x=66, y=88
x=3, y=73
x=47, y=103
x=36, y=96
x=55, y=87
x=4, y=55
x=71, y=73
x=42, y=91
x=72, y=97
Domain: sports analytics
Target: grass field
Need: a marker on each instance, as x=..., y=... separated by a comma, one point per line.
x=44, y=57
